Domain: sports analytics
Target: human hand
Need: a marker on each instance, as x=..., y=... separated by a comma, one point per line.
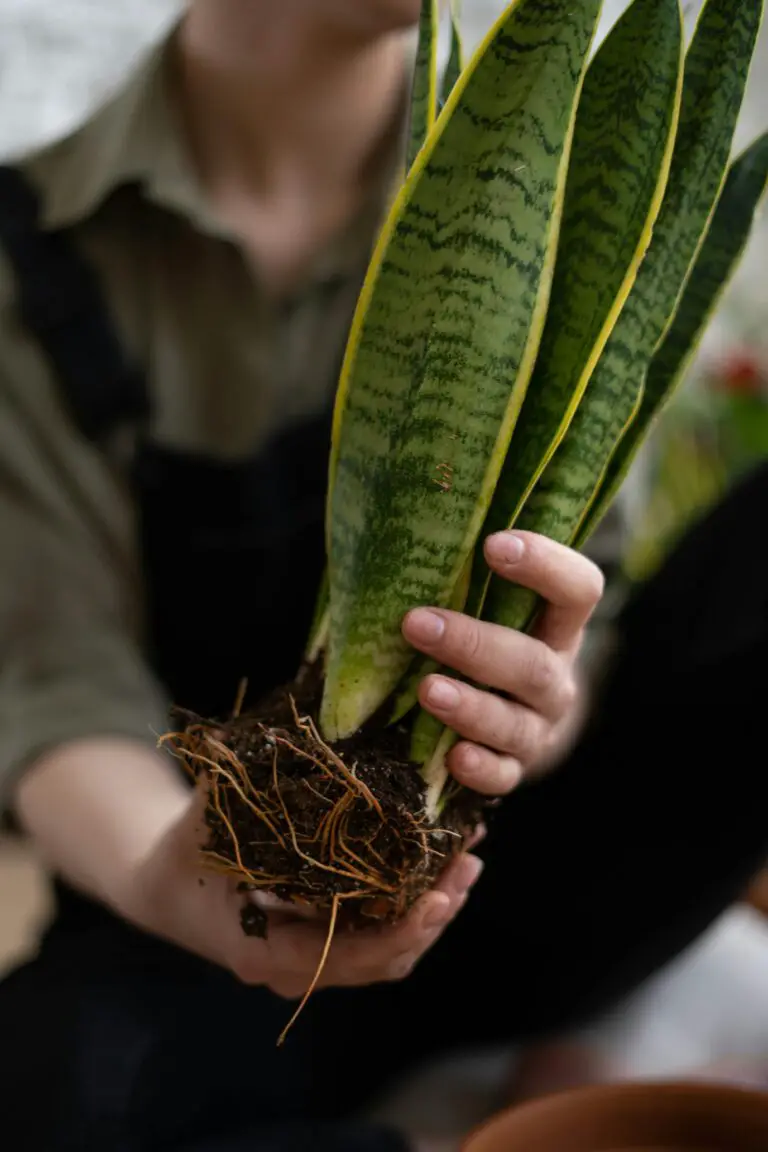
x=518, y=728
x=202, y=915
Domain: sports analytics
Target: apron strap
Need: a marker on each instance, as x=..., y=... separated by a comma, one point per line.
x=60, y=301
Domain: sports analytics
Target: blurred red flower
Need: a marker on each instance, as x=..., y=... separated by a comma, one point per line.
x=742, y=374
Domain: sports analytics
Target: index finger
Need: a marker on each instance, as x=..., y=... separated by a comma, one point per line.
x=569, y=583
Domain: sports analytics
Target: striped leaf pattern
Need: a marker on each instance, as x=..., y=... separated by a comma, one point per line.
x=443, y=344
x=622, y=148
x=722, y=248
x=716, y=70
x=424, y=91
x=455, y=64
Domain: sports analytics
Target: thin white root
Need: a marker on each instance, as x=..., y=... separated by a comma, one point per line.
x=318, y=973
x=435, y=773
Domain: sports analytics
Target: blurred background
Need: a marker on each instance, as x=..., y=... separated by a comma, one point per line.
x=59, y=59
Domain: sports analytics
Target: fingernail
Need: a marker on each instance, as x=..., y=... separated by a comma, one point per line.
x=443, y=695
x=506, y=547
x=467, y=874
x=425, y=626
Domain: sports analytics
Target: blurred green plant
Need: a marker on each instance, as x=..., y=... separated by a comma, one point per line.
x=715, y=431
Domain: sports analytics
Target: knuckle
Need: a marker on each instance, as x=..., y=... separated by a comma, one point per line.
x=496, y=735
x=470, y=708
x=544, y=668
x=470, y=638
x=527, y=738
x=569, y=694
x=495, y=726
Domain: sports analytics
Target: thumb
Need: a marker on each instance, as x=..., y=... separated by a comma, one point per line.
x=191, y=832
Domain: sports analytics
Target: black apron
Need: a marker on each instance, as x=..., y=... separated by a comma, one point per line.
x=232, y=553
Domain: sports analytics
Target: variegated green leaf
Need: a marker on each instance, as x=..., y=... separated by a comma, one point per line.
x=443, y=344
x=716, y=70
x=424, y=91
x=724, y=244
x=426, y=735
x=455, y=64
x=622, y=148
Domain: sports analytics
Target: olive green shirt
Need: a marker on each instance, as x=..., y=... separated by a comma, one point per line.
x=225, y=367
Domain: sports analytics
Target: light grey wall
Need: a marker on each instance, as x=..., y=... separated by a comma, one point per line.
x=59, y=57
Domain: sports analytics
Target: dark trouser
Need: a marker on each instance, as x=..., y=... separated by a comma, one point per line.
x=114, y=1042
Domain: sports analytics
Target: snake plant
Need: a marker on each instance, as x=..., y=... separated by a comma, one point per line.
x=534, y=293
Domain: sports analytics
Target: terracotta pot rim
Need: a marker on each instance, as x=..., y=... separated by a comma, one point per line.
x=605, y=1093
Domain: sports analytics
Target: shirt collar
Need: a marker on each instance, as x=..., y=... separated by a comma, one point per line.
x=136, y=138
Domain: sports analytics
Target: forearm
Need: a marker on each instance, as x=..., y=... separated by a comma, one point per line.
x=96, y=809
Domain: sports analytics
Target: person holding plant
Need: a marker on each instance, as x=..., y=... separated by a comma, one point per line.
x=177, y=281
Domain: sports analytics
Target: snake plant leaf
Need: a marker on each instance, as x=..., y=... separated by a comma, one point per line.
x=455, y=65
x=424, y=91
x=620, y=163
x=427, y=735
x=443, y=344
x=716, y=69
x=717, y=260
x=622, y=149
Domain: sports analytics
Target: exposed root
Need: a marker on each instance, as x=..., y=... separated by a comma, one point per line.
x=345, y=829
x=318, y=973
x=341, y=828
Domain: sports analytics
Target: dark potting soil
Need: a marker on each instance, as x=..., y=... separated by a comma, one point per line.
x=342, y=826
